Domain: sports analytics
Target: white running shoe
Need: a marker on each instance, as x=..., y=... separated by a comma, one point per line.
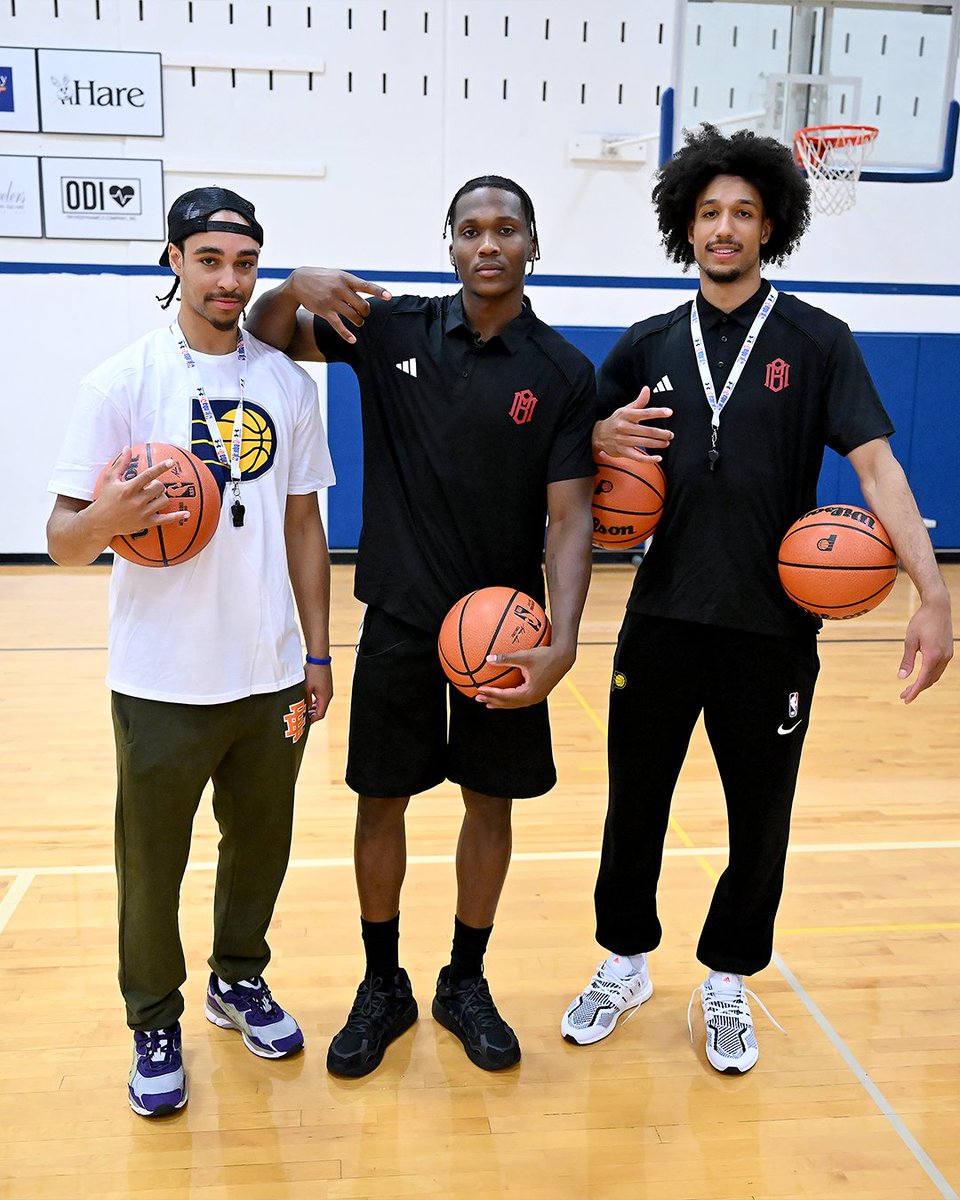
x=731, y=1044
x=595, y=1012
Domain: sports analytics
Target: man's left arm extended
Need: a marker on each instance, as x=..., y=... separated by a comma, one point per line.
x=568, y=562
x=308, y=563
x=930, y=630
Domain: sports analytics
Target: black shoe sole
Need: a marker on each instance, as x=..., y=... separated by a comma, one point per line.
x=441, y=1015
x=350, y=1070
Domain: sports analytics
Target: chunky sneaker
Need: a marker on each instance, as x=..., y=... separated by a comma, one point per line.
x=381, y=1012
x=157, y=1082
x=731, y=1042
x=595, y=1012
x=468, y=1011
x=266, y=1029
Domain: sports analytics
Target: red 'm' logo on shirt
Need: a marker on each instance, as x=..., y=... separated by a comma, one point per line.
x=523, y=405
x=778, y=375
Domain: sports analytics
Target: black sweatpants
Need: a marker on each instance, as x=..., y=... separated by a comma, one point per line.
x=755, y=694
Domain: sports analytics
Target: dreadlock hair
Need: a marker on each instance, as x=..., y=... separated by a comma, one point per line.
x=501, y=184
x=167, y=300
x=762, y=161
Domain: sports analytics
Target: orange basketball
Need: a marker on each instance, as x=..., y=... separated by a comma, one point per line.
x=627, y=502
x=493, y=620
x=837, y=562
x=191, y=487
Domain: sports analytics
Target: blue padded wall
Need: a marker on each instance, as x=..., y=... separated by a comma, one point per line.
x=917, y=376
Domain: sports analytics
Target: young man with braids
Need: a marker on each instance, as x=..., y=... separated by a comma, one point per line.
x=708, y=627
x=206, y=669
x=476, y=426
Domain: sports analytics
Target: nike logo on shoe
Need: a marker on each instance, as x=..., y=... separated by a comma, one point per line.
x=408, y=366
x=780, y=728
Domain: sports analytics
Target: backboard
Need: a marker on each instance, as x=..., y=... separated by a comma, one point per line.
x=777, y=67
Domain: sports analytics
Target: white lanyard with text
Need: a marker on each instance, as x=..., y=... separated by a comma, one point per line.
x=232, y=463
x=717, y=405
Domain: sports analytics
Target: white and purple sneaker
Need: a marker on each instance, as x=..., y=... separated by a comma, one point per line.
x=157, y=1083
x=266, y=1029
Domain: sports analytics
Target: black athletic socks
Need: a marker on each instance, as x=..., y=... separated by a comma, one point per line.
x=469, y=947
x=381, y=944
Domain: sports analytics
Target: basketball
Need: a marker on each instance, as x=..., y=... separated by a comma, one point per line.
x=493, y=620
x=191, y=487
x=627, y=502
x=837, y=562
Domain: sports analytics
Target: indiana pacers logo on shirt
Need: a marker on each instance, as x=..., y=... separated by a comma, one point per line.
x=259, y=446
x=619, y=682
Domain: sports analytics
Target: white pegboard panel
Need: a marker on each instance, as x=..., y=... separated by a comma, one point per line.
x=728, y=52
x=601, y=63
x=388, y=54
x=902, y=59
x=560, y=87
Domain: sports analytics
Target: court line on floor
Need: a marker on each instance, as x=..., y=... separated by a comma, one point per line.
x=818, y=930
x=883, y=1104
x=588, y=708
x=896, y=1122
x=13, y=895
x=543, y=856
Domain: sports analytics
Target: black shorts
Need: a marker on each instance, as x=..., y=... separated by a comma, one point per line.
x=399, y=743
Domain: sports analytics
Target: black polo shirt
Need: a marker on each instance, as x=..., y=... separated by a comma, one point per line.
x=460, y=439
x=805, y=386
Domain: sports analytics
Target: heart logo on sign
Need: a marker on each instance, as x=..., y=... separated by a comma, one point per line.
x=122, y=195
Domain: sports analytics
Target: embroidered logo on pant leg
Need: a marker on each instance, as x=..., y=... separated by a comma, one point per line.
x=295, y=720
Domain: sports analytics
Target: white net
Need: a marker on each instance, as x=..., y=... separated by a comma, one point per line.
x=833, y=157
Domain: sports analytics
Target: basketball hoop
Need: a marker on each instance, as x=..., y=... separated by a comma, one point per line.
x=833, y=157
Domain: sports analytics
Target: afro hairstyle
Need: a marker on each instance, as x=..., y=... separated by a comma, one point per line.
x=764, y=162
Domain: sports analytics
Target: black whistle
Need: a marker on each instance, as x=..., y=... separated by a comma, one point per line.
x=236, y=514
x=713, y=456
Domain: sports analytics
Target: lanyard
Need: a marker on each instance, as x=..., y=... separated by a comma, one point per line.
x=231, y=462
x=717, y=405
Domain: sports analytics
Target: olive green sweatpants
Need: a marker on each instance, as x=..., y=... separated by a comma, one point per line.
x=251, y=749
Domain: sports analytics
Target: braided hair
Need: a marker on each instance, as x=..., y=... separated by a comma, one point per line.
x=501, y=184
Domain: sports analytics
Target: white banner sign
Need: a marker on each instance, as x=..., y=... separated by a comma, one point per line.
x=18, y=90
x=100, y=91
x=108, y=198
x=20, y=212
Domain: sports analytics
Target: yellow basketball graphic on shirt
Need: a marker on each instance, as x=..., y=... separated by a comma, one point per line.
x=258, y=446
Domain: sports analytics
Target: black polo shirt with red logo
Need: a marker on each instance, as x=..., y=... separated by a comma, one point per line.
x=805, y=386
x=460, y=440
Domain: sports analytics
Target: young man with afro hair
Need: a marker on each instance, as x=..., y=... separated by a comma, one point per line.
x=755, y=384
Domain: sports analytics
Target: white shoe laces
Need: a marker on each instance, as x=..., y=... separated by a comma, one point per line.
x=610, y=983
x=716, y=1004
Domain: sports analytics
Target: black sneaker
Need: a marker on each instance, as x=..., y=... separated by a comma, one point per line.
x=468, y=1011
x=380, y=1013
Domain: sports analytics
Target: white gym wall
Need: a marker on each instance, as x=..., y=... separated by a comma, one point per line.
x=350, y=125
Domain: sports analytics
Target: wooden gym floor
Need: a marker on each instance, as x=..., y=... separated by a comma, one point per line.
x=860, y=1098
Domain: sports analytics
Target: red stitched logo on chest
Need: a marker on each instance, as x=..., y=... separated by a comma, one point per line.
x=778, y=375
x=523, y=405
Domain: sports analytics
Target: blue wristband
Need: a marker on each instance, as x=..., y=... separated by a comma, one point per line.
x=319, y=662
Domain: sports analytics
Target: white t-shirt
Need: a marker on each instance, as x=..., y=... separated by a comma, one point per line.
x=220, y=626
